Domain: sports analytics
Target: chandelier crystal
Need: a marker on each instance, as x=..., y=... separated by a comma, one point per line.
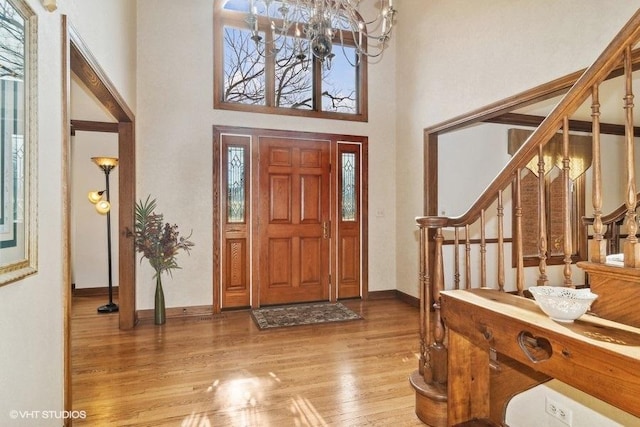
x=310, y=27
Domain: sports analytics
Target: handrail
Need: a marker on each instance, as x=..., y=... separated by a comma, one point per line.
x=616, y=215
x=604, y=65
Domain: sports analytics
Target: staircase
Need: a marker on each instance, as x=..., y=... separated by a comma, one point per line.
x=455, y=251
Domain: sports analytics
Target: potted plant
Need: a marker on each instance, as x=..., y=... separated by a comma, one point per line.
x=160, y=243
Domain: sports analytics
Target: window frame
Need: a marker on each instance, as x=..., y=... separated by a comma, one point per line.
x=222, y=18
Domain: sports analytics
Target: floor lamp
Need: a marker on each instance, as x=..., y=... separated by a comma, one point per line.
x=107, y=164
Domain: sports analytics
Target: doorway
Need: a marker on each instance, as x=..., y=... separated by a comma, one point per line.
x=290, y=217
x=82, y=64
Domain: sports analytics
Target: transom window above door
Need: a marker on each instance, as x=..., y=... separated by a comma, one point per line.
x=257, y=69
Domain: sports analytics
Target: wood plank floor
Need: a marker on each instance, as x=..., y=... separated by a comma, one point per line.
x=223, y=371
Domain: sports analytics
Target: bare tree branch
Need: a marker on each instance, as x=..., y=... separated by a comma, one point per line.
x=12, y=40
x=245, y=74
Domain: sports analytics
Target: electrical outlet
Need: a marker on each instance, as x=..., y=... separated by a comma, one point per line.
x=559, y=411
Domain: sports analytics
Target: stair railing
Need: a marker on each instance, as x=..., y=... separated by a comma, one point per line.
x=433, y=336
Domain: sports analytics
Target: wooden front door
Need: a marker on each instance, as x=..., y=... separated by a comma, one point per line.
x=294, y=220
x=290, y=217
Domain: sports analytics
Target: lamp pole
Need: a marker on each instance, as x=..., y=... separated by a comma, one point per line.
x=107, y=164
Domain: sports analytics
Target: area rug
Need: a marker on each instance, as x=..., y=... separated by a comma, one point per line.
x=302, y=314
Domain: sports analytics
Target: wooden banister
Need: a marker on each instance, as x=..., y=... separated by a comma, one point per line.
x=581, y=90
x=617, y=59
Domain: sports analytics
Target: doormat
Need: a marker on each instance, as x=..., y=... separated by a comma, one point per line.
x=302, y=314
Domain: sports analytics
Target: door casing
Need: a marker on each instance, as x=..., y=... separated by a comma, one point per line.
x=250, y=138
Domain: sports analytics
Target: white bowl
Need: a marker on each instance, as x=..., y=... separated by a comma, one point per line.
x=563, y=304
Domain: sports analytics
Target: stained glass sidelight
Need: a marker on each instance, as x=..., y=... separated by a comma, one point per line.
x=349, y=199
x=236, y=184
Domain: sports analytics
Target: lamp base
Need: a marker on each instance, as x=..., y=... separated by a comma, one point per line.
x=108, y=308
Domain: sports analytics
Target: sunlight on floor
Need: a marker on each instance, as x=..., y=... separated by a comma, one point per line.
x=242, y=401
x=196, y=420
x=305, y=415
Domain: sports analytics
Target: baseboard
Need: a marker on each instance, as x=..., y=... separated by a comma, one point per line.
x=94, y=292
x=395, y=294
x=390, y=294
x=178, y=312
x=409, y=299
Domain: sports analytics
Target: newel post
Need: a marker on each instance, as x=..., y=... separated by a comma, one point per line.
x=438, y=350
x=430, y=379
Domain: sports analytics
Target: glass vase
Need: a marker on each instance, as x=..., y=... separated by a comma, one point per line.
x=159, y=311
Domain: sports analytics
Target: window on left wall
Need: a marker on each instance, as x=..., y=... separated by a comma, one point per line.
x=18, y=106
x=290, y=81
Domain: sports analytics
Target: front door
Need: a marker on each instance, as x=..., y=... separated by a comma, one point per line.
x=293, y=223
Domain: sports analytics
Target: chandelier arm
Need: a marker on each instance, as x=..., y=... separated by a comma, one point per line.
x=321, y=22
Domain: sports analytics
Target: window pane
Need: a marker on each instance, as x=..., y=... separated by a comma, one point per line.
x=294, y=84
x=349, y=199
x=339, y=84
x=244, y=70
x=239, y=5
x=235, y=184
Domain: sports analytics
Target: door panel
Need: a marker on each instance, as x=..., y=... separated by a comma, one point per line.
x=280, y=199
x=280, y=262
x=294, y=206
x=311, y=199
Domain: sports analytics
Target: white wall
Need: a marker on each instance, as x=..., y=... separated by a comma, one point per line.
x=31, y=310
x=528, y=409
x=31, y=359
x=108, y=28
x=174, y=137
x=454, y=56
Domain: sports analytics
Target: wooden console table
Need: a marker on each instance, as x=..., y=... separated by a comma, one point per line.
x=597, y=356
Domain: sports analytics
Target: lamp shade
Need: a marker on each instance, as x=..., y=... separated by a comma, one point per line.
x=103, y=207
x=111, y=162
x=94, y=196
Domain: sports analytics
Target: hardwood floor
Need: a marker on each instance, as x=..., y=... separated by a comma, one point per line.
x=223, y=371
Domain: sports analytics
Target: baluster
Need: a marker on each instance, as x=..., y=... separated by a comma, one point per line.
x=438, y=350
x=500, y=243
x=456, y=246
x=631, y=247
x=424, y=366
x=518, y=243
x=542, y=220
x=467, y=258
x=598, y=248
x=566, y=183
x=483, y=250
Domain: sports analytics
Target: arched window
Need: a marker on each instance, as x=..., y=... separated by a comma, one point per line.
x=258, y=70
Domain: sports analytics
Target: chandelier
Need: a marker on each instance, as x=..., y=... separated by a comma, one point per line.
x=305, y=28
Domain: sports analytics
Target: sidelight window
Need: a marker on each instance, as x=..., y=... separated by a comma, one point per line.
x=349, y=196
x=236, y=189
